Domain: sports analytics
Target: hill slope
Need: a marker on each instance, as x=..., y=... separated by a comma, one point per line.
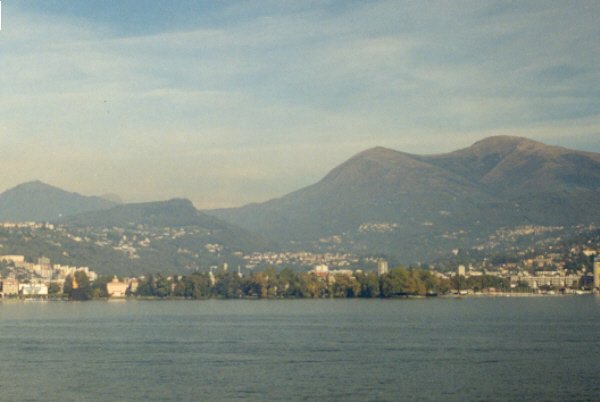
x=418, y=207
x=37, y=201
x=131, y=239
x=167, y=236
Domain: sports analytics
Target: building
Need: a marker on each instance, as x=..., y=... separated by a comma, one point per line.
x=547, y=279
x=33, y=289
x=461, y=270
x=321, y=271
x=133, y=283
x=9, y=287
x=342, y=272
x=382, y=267
x=15, y=259
x=116, y=288
x=597, y=273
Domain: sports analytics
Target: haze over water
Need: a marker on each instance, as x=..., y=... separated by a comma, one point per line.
x=453, y=350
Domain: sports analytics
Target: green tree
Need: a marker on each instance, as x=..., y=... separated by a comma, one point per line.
x=459, y=282
x=197, y=286
x=54, y=288
x=290, y=283
x=394, y=283
x=77, y=287
x=98, y=287
x=312, y=286
x=228, y=286
x=161, y=287
x=369, y=284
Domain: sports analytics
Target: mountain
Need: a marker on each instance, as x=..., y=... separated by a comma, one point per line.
x=175, y=212
x=116, y=198
x=172, y=214
x=163, y=236
x=37, y=201
x=417, y=207
x=133, y=239
x=166, y=236
x=546, y=184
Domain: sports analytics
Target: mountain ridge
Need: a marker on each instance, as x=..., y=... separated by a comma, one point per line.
x=172, y=214
x=38, y=201
x=435, y=203
x=379, y=201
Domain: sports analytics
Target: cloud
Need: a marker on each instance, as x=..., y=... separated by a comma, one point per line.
x=253, y=102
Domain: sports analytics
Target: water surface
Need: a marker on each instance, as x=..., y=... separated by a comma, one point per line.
x=381, y=350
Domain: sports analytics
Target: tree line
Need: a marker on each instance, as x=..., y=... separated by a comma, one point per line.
x=269, y=284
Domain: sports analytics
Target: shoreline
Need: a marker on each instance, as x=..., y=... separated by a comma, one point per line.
x=409, y=297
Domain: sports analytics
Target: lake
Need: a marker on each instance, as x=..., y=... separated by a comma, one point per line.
x=536, y=348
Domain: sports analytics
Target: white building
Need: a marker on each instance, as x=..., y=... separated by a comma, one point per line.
x=33, y=289
x=382, y=267
x=559, y=281
x=116, y=288
x=320, y=270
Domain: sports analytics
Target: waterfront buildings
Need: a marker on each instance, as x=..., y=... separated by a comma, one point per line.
x=548, y=279
x=33, y=289
x=33, y=279
x=116, y=288
x=9, y=287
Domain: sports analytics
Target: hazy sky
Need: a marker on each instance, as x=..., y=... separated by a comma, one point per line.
x=229, y=102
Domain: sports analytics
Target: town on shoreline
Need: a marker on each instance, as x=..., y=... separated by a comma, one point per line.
x=23, y=279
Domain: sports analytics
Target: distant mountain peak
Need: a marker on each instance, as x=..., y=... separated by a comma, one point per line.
x=383, y=155
x=176, y=212
x=182, y=204
x=39, y=201
x=505, y=139
x=378, y=150
x=36, y=185
x=504, y=144
x=179, y=201
x=116, y=198
x=433, y=202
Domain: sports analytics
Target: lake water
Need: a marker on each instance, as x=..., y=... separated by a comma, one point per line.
x=545, y=348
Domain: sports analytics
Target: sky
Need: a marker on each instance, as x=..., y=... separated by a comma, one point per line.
x=232, y=102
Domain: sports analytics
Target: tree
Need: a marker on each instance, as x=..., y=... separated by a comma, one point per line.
x=258, y=285
x=394, y=283
x=198, y=286
x=290, y=283
x=311, y=285
x=54, y=289
x=77, y=287
x=160, y=286
x=155, y=285
x=228, y=285
x=98, y=288
x=458, y=282
x=369, y=284
x=415, y=285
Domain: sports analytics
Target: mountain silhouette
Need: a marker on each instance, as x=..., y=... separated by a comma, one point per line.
x=418, y=207
x=37, y=201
